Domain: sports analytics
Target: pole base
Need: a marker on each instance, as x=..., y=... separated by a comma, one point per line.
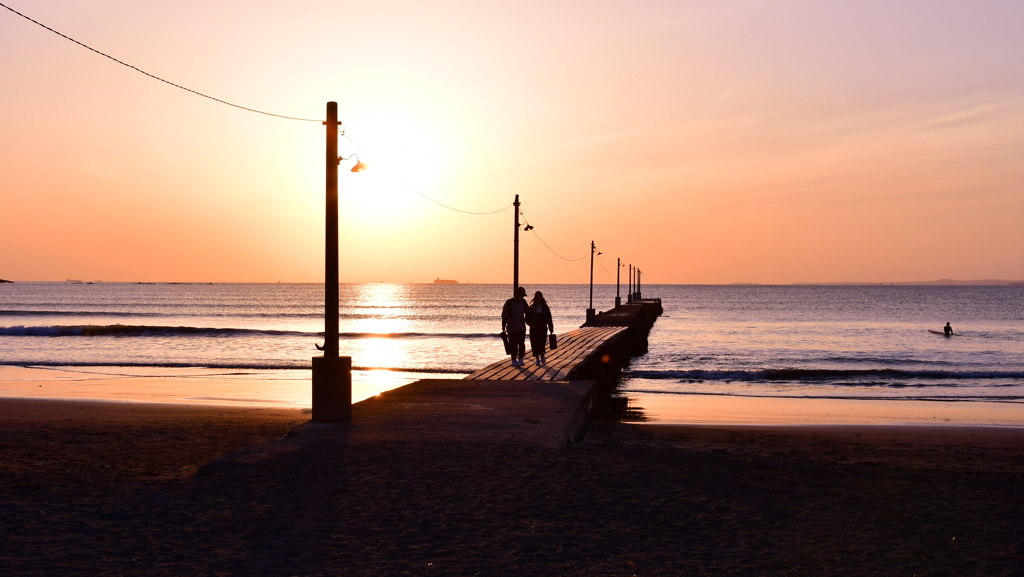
x=590, y=315
x=332, y=389
x=618, y=302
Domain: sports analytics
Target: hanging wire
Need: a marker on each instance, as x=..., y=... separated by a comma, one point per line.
x=410, y=187
x=151, y=75
x=341, y=131
x=533, y=229
x=602, y=264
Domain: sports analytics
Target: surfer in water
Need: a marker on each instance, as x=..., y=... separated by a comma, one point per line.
x=947, y=330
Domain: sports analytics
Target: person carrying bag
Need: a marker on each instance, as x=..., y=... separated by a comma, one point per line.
x=513, y=318
x=539, y=317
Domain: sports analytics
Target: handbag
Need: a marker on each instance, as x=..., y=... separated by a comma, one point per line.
x=552, y=341
x=504, y=339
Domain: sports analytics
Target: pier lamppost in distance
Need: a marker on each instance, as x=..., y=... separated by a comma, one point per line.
x=590, y=311
x=629, y=292
x=332, y=374
x=639, y=295
x=618, y=269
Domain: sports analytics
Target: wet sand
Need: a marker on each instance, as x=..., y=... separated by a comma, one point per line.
x=109, y=489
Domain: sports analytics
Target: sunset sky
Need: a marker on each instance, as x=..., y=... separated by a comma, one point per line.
x=769, y=141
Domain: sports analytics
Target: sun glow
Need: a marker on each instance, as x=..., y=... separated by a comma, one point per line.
x=401, y=151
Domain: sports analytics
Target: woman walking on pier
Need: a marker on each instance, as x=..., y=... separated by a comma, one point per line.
x=539, y=318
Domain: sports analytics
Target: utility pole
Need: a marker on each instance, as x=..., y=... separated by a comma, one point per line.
x=515, y=251
x=629, y=293
x=639, y=294
x=618, y=269
x=332, y=375
x=590, y=311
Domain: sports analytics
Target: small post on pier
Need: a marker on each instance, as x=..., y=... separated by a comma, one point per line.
x=639, y=294
x=618, y=269
x=590, y=311
x=332, y=375
x=515, y=249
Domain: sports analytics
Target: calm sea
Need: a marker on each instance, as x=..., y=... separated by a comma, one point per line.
x=862, y=342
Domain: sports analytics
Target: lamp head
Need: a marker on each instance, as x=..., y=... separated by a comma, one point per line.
x=360, y=165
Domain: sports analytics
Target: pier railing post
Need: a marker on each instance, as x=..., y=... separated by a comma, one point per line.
x=332, y=375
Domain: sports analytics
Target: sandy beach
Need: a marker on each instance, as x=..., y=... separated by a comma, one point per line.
x=111, y=489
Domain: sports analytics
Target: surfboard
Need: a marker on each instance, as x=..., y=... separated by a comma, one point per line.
x=940, y=333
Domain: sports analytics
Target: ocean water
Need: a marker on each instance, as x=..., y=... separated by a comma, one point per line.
x=833, y=342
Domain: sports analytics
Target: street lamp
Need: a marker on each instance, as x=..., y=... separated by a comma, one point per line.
x=618, y=272
x=590, y=311
x=332, y=374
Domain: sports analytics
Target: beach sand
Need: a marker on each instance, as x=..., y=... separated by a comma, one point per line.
x=94, y=488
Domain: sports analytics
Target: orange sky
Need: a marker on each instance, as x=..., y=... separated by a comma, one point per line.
x=734, y=141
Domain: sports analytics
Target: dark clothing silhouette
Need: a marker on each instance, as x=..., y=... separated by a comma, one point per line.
x=947, y=330
x=513, y=317
x=539, y=317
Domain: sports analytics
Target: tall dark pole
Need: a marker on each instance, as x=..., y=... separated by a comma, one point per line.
x=331, y=237
x=515, y=250
x=590, y=310
x=332, y=375
x=618, y=273
x=639, y=293
x=629, y=293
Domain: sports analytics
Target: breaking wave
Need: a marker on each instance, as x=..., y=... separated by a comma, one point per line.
x=274, y=365
x=162, y=331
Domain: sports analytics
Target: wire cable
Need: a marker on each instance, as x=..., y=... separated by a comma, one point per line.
x=533, y=229
x=602, y=264
x=151, y=75
x=553, y=251
x=410, y=187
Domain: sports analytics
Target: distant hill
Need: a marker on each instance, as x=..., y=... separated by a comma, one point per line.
x=2, y=280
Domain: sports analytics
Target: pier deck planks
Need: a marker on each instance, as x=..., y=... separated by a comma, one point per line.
x=574, y=349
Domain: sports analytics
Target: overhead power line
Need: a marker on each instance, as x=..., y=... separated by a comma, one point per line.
x=410, y=187
x=152, y=75
x=533, y=229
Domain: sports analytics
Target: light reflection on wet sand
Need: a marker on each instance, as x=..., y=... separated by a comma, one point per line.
x=266, y=388
x=733, y=410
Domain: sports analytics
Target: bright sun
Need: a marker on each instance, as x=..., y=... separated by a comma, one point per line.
x=401, y=151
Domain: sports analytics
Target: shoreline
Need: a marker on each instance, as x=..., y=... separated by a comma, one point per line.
x=291, y=389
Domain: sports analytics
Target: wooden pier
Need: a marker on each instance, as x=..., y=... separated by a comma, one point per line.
x=606, y=341
x=575, y=349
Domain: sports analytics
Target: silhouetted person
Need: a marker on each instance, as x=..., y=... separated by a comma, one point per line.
x=539, y=318
x=947, y=330
x=513, y=319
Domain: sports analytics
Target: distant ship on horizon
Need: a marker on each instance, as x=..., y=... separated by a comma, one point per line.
x=440, y=280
